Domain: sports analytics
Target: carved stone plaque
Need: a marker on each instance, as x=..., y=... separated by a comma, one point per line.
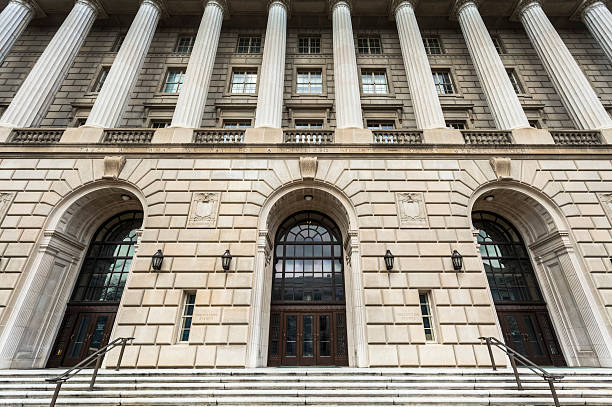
x=411, y=210
x=606, y=201
x=204, y=210
x=5, y=202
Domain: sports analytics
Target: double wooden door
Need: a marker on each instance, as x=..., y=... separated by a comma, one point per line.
x=528, y=330
x=84, y=330
x=311, y=336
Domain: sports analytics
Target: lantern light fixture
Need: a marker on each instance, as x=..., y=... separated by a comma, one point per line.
x=389, y=259
x=226, y=260
x=157, y=260
x=457, y=260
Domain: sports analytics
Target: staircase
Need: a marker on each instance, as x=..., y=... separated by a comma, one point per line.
x=306, y=386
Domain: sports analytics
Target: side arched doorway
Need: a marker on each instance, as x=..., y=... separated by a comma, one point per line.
x=91, y=311
x=520, y=305
x=308, y=303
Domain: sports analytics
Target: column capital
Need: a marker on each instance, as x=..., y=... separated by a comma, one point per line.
x=159, y=4
x=96, y=5
x=523, y=5
x=222, y=4
x=460, y=5
x=586, y=5
x=287, y=4
x=333, y=3
x=396, y=4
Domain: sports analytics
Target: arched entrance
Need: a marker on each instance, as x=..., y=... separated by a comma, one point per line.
x=520, y=306
x=308, y=304
x=91, y=312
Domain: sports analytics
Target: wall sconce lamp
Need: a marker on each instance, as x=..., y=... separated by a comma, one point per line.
x=389, y=258
x=457, y=260
x=157, y=260
x=226, y=260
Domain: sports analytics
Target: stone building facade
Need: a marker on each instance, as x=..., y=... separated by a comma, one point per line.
x=416, y=129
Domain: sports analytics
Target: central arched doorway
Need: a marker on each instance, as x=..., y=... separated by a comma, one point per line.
x=522, y=311
x=93, y=305
x=308, y=306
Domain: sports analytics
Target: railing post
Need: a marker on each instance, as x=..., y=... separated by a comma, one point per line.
x=551, y=384
x=95, y=372
x=516, y=373
x=55, y=394
x=123, y=343
x=488, y=340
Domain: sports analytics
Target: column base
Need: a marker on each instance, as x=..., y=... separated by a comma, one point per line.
x=263, y=135
x=353, y=135
x=82, y=135
x=529, y=135
x=173, y=135
x=442, y=136
x=606, y=136
x=5, y=133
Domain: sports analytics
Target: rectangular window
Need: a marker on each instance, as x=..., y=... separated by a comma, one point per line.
x=101, y=79
x=432, y=45
x=498, y=45
x=309, y=81
x=174, y=80
x=374, y=81
x=381, y=124
x=369, y=45
x=118, y=43
x=159, y=124
x=244, y=81
x=236, y=124
x=427, y=317
x=308, y=124
x=309, y=45
x=248, y=45
x=535, y=124
x=185, y=44
x=515, y=81
x=443, y=82
x=187, y=317
x=79, y=122
x=457, y=124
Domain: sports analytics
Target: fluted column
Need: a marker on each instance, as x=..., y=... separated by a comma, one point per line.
x=272, y=76
x=115, y=93
x=346, y=77
x=425, y=99
x=575, y=91
x=598, y=19
x=192, y=98
x=501, y=97
x=13, y=20
x=33, y=98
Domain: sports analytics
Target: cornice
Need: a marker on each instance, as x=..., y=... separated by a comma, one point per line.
x=333, y=3
x=459, y=5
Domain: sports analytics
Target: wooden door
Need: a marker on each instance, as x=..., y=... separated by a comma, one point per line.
x=528, y=331
x=307, y=338
x=85, y=329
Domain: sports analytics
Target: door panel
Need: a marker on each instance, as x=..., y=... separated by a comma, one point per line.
x=528, y=332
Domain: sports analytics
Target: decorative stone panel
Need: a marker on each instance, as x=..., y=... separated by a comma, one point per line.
x=5, y=202
x=204, y=210
x=411, y=209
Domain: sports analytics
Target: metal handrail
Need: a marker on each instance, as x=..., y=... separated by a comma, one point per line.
x=514, y=356
x=98, y=356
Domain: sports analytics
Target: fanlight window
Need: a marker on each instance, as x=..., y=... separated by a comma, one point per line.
x=509, y=271
x=308, y=260
x=108, y=259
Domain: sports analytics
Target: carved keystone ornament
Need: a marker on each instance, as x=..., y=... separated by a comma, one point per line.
x=113, y=166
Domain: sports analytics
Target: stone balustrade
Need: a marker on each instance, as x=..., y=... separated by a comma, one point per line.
x=128, y=136
x=398, y=137
x=308, y=136
x=576, y=137
x=487, y=137
x=219, y=136
x=35, y=136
